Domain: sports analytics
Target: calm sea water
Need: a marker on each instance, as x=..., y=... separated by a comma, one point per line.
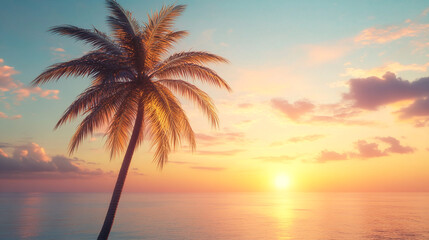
x=218, y=216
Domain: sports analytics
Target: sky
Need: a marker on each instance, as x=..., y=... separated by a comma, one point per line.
x=332, y=96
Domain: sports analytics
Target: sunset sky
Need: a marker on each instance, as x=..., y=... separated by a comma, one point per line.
x=331, y=95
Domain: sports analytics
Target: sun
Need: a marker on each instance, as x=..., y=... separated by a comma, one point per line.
x=282, y=181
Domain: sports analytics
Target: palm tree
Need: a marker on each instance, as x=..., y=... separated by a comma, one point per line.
x=132, y=85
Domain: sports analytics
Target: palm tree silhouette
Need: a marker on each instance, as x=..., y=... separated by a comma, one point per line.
x=132, y=85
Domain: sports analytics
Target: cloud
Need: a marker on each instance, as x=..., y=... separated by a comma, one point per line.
x=18, y=89
x=366, y=150
x=31, y=160
x=373, y=92
x=306, y=112
x=395, y=146
x=326, y=156
x=380, y=71
x=376, y=35
x=6, y=80
x=25, y=92
x=3, y=115
x=292, y=111
x=209, y=168
x=418, y=108
x=58, y=49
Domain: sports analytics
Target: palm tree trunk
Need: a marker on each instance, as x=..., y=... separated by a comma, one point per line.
x=110, y=216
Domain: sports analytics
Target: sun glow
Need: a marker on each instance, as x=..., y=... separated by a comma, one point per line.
x=282, y=181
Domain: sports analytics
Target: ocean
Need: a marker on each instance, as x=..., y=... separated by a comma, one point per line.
x=206, y=216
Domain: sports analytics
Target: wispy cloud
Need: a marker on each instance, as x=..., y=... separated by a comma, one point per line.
x=4, y=115
x=18, y=89
x=381, y=35
x=306, y=112
x=380, y=71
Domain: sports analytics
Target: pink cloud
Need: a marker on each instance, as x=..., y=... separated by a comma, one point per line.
x=58, y=50
x=7, y=83
x=376, y=35
x=395, y=146
x=293, y=111
x=4, y=115
x=307, y=112
x=366, y=150
x=326, y=156
x=25, y=92
x=6, y=80
x=380, y=71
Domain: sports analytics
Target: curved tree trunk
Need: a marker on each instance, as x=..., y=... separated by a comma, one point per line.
x=110, y=216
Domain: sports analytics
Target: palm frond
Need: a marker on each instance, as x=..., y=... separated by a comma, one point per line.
x=121, y=126
x=94, y=37
x=194, y=71
x=98, y=116
x=196, y=95
x=86, y=66
x=158, y=27
x=195, y=57
x=90, y=98
x=122, y=24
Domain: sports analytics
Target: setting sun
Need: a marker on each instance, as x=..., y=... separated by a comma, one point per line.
x=282, y=182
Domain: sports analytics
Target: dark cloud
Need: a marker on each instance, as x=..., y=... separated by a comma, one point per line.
x=418, y=108
x=373, y=92
x=30, y=160
x=209, y=168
